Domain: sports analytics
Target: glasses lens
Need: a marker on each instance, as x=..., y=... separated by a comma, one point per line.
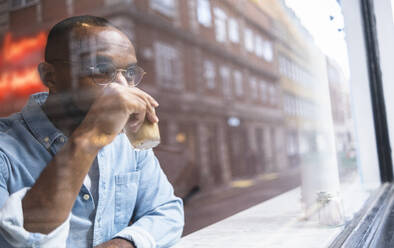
x=103, y=73
x=134, y=75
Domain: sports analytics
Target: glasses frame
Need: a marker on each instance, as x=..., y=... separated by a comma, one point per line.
x=117, y=70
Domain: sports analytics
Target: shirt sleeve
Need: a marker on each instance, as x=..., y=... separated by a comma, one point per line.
x=158, y=218
x=11, y=222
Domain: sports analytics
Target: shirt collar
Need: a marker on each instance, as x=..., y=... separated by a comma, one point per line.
x=37, y=121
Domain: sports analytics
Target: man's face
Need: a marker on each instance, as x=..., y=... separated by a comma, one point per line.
x=90, y=47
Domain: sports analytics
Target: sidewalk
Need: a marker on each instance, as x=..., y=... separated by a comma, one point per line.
x=210, y=207
x=275, y=223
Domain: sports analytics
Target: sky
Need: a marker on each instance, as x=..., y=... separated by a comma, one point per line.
x=315, y=16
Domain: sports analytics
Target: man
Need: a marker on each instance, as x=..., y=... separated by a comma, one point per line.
x=69, y=177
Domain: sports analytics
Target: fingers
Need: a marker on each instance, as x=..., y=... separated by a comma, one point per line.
x=151, y=115
x=148, y=97
x=151, y=103
x=139, y=101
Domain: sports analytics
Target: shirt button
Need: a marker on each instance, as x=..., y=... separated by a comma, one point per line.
x=62, y=139
x=46, y=139
x=86, y=197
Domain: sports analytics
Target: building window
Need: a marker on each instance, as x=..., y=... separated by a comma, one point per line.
x=249, y=41
x=168, y=66
x=259, y=46
x=268, y=52
x=272, y=94
x=263, y=91
x=204, y=13
x=113, y=2
x=253, y=88
x=209, y=74
x=238, y=83
x=233, y=30
x=225, y=77
x=291, y=145
x=167, y=7
x=18, y=4
x=125, y=25
x=220, y=25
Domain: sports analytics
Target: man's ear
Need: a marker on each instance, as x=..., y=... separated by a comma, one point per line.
x=47, y=75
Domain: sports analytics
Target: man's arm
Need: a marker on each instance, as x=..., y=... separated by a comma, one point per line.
x=50, y=200
x=158, y=218
x=116, y=243
x=12, y=233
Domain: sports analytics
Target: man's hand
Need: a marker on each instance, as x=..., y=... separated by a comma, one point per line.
x=116, y=243
x=50, y=200
x=117, y=106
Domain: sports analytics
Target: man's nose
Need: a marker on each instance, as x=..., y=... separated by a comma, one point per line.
x=120, y=78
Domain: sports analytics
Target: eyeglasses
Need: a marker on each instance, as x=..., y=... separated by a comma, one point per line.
x=105, y=73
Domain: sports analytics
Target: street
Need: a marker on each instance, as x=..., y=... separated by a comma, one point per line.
x=205, y=209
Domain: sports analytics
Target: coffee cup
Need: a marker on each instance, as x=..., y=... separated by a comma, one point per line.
x=147, y=136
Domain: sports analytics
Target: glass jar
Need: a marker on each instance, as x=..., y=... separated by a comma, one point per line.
x=330, y=209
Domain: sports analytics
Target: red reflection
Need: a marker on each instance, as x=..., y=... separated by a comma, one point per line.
x=18, y=66
x=15, y=51
x=20, y=83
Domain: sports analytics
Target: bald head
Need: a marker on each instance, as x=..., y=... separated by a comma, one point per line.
x=63, y=33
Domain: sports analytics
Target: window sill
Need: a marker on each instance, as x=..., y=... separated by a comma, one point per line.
x=276, y=223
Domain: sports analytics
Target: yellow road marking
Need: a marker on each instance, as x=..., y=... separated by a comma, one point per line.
x=269, y=176
x=242, y=183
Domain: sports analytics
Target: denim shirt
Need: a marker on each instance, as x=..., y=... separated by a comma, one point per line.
x=132, y=188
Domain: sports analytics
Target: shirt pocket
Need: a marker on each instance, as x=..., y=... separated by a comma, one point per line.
x=126, y=189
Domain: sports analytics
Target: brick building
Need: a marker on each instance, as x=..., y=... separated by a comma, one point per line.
x=213, y=67
x=341, y=109
x=298, y=79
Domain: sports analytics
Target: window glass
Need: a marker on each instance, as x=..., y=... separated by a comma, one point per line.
x=238, y=83
x=259, y=48
x=253, y=88
x=220, y=25
x=209, y=74
x=268, y=52
x=167, y=7
x=233, y=30
x=204, y=12
x=167, y=64
x=263, y=91
x=225, y=78
x=392, y=8
x=249, y=41
x=255, y=109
